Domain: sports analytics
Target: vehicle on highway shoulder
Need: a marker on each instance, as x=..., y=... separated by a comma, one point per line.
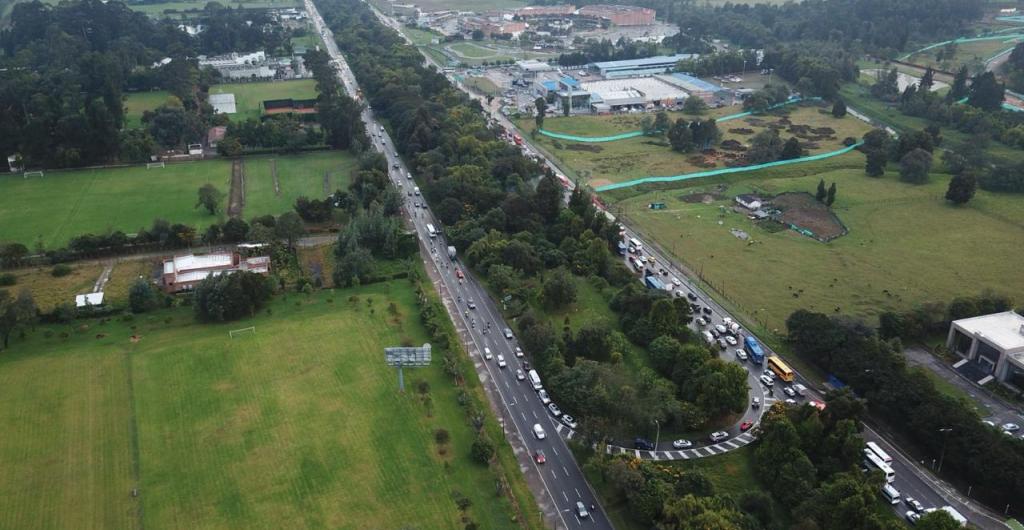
x=554, y=410
x=568, y=421
x=544, y=397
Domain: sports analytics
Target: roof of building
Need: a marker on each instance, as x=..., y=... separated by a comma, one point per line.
x=1004, y=330
x=748, y=197
x=190, y=262
x=550, y=85
x=83, y=300
x=647, y=61
x=569, y=82
x=223, y=103
x=533, y=65
x=697, y=84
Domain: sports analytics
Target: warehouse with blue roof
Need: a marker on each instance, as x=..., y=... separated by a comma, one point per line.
x=659, y=64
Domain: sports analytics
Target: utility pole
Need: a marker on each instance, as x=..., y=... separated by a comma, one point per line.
x=945, y=434
x=657, y=437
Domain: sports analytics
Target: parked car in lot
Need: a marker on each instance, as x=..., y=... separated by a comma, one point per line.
x=555, y=411
x=745, y=426
x=682, y=444
x=767, y=381
x=691, y=296
x=741, y=355
x=520, y=375
x=538, y=456
x=1010, y=427
x=718, y=436
x=501, y=361
x=643, y=444
x=569, y=421
x=544, y=398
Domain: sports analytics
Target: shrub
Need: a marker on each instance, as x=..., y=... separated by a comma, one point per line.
x=8, y=279
x=441, y=436
x=60, y=270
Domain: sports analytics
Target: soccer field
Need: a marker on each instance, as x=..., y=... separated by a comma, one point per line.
x=297, y=425
x=250, y=96
x=906, y=245
x=297, y=175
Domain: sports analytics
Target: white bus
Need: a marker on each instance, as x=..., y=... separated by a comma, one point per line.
x=870, y=460
x=535, y=379
x=431, y=231
x=891, y=494
x=636, y=244
x=882, y=455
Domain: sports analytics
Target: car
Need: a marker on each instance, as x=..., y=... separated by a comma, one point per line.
x=706, y=310
x=526, y=365
x=755, y=403
x=695, y=308
x=989, y=423
x=1010, y=427
x=912, y=517
x=767, y=381
x=722, y=344
x=641, y=443
x=508, y=333
x=720, y=329
x=914, y=504
x=581, y=510
x=768, y=373
x=409, y=193
x=520, y=375
x=682, y=444
x=676, y=281
x=458, y=274
x=745, y=426
x=538, y=456
x=790, y=401
x=501, y=361
x=538, y=431
x=730, y=340
x=555, y=411
x=701, y=322
x=715, y=333
x=519, y=352
x=662, y=272
x=544, y=398
x=691, y=296
x=788, y=390
x=718, y=436
x=569, y=421
x=471, y=304
x=487, y=354
x=741, y=355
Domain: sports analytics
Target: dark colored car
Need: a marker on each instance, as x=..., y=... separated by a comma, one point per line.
x=691, y=296
x=641, y=443
x=707, y=310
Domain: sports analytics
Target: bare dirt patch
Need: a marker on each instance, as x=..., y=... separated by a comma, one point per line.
x=803, y=213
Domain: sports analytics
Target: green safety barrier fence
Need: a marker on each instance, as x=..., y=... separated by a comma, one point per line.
x=634, y=134
x=962, y=40
x=725, y=171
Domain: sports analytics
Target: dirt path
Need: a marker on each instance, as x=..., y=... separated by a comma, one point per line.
x=236, y=199
x=101, y=282
x=327, y=183
x=273, y=173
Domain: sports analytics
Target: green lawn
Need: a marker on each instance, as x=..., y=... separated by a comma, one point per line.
x=250, y=96
x=136, y=103
x=301, y=175
x=419, y=36
x=473, y=50
x=967, y=53
x=157, y=10
x=603, y=163
x=906, y=246
x=299, y=425
x=483, y=85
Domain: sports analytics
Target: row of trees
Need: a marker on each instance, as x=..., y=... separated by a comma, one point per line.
x=934, y=317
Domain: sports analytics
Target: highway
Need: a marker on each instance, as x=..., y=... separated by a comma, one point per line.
x=562, y=480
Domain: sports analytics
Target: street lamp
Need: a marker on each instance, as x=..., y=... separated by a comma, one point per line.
x=657, y=436
x=945, y=431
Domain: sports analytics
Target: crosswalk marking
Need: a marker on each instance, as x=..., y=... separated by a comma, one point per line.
x=684, y=455
x=731, y=444
x=654, y=455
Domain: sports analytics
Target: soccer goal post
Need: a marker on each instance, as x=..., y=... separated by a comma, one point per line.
x=234, y=332
x=151, y=165
x=33, y=174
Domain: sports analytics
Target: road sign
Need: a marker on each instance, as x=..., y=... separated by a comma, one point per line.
x=402, y=356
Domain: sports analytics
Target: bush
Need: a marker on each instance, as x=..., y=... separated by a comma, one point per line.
x=231, y=296
x=441, y=436
x=60, y=270
x=482, y=450
x=8, y=279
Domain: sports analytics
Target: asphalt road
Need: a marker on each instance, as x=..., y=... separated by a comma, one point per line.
x=563, y=482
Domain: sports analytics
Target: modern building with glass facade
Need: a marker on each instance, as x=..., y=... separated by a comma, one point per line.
x=995, y=343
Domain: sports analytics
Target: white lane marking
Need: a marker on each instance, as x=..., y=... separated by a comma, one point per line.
x=731, y=444
x=684, y=455
x=555, y=476
x=563, y=493
x=578, y=493
x=654, y=455
x=668, y=455
x=558, y=427
x=566, y=471
x=571, y=433
x=637, y=451
x=555, y=450
x=524, y=416
x=577, y=520
x=534, y=414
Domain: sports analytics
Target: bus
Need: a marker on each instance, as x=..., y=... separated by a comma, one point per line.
x=754, y=349
x=431, y=231
x=780, y=368
x=882, y=455
x=872, y=461
x=636, y=244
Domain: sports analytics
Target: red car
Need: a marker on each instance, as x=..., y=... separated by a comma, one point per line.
x=538, y=457
x=458, y=273
x=745, y=426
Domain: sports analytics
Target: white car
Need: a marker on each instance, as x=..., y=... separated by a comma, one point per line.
x=1010, y=427
x=789, y=391
x=729, y=339
x=741, y=355
x=720, y=328
x=520, y=375
x=519, y=352
x=487, y=354
x=501, y=361
x=682, y=444
x=718, y=436
x=767, y=381
x=538, y=431
x=676, y=281
x=544, y=396
x=701, y=321
x=569, y=421
x=555, y=411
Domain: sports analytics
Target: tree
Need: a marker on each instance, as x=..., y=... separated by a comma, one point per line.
x=695, y=106
x=986, y=92
x=227, y=297
x=478, y=35
x=821, y=193
x=136, y=146
x=839, y=109
x=927, y=80
x=961, y=187
x=235, y=230
x=765, y=146
x=680, y=137
x=229, y=147
x=15, y=312
x=958, y=90
x=647, y=125
x=482, y=450
x=663, y=352
x=542, y=109
x=661, y=123
x=875, y=163
x=791, y=149
x=142, y=296
x=915, y=165
x=209, y=198
x=831, y=198
x=289, y=227
x=937, y=520
x=558, y=290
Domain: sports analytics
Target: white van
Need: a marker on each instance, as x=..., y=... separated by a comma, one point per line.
x=891, y=493
x=416, y=190
x=535, y=379
x=708, y=337
x=538, y=431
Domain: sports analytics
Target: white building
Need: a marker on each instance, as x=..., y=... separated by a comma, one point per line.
x=995, y=343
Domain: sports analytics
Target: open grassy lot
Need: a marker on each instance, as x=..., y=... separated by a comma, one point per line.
x=49, y=291
x=64, y=204
x=297, y=175
x=972, y=54
x=250, y=96
x=299, y=425
x=136, y=103
x=420, y=36
x=483, y=85
x=602, y=163
x=905, y=245
x=157, y=10
x=473, y=50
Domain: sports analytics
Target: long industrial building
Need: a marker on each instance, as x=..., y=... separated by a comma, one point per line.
x=658, y=64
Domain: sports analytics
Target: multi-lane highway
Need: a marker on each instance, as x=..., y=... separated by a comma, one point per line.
x=561, y=479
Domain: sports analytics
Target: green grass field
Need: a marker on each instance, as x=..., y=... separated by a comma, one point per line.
x=473, y=50
x=299, y=425
x=64, y=204
x=602, y=163
x=249, y=96
x=157, y=10
x=906, y=245
x=971, y=54
x=136, y=103
x=483, y=85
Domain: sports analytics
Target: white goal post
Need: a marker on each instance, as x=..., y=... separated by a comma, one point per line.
x=151, y=165
x=28, y=174
x=233, y=332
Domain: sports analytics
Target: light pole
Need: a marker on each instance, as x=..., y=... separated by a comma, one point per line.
x=657, y=437
x=945, y=434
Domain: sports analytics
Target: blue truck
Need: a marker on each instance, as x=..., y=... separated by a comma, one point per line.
x=653, y=282
x=754, y=350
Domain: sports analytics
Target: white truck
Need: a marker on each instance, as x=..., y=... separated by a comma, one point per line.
x=534, y=379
